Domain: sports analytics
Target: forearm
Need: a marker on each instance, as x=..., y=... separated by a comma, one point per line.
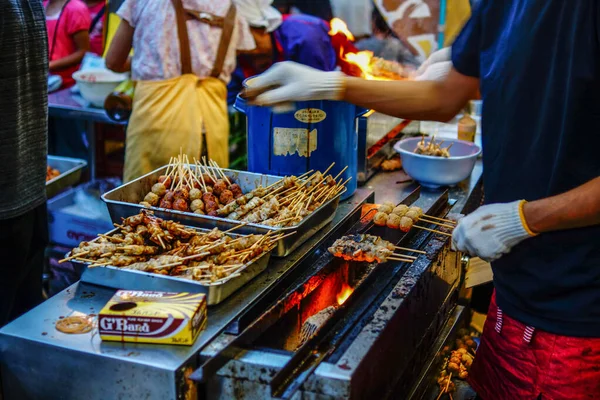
x=422, y=100
x=576, y=208
x=125, y=67
x=68, y=61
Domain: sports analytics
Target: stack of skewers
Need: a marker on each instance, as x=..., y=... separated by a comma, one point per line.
x=369, y=248
x=203, y=188
x=432, y=148
x=404, y=218
x=149, y=244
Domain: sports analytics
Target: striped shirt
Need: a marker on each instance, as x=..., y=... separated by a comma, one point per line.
x=23, y=106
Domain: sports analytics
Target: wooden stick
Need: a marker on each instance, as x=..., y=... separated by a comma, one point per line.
x=439, y=219
x=161, y=242
x=111, y=238
x=220, y=171
x=203, y=183
x=198, y=255
x=404, y=256
x=433, y=230
x=278, y=238
x=83, y=253
x=408, y=260
x=407, y=249
x=437, y=223
x=88, y=260
x=236, y=227
x=327, y=170
x=340, y=174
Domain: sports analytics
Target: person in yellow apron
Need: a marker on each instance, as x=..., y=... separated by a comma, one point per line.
x=184, y=53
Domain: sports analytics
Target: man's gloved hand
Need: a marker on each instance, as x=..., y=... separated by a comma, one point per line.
x=492, y=231
x=436, y=67
x=289, y=81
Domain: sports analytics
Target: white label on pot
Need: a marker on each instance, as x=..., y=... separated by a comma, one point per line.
x=310, y=115
x=287, y=141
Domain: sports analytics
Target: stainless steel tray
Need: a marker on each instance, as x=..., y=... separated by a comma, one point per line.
x=123, y=202
x=70, y=174
x=119, y=278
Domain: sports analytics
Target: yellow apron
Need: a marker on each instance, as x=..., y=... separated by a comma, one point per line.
x=170, y=115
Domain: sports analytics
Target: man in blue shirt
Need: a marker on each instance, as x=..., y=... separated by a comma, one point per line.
x=537, y=66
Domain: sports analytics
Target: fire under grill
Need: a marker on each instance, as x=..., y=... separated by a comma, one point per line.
x=312, y=305
x=318, y=335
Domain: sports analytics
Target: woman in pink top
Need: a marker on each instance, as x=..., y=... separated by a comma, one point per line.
x=96, y=8
x=68, y=23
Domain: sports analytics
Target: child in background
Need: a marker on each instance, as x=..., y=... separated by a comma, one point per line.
x=97, y=14
x=68, y=23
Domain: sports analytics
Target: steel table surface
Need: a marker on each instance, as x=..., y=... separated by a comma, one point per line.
x=35, y=330
x=69, y=105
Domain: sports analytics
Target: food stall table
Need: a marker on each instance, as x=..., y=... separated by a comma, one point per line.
x=68, y=105
x=36, y=361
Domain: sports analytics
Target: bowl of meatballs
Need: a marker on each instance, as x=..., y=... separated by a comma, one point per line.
x=437, y=163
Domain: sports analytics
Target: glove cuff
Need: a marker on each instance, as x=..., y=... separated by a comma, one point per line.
x=513, y=229
x=332, y=86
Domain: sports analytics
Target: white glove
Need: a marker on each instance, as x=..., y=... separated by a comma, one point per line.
x=436, y=72
x=436, y=67
x=492, y=231
x=297, y=82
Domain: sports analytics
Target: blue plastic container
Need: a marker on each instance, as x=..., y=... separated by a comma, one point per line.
x=313, y=136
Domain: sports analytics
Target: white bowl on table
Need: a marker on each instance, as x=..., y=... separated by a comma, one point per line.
x=95, y=84
x=435, y=172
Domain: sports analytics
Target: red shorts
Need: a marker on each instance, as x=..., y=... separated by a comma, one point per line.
x=518, y=362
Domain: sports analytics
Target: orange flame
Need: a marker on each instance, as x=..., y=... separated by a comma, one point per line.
x=344, y=294
x=339, y=26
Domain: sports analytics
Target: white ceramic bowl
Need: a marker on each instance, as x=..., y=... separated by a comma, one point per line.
x=435, y=172
x=95, y=84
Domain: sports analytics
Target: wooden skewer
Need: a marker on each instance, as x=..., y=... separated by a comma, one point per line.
x=408, y=260
x=433, y=230
x=340, y=174
x=220, y=171
x=439, y=219
x=277, y=238
x=87, y=260
x=175, y=264
x=111, y=238
x=236, y=227
x=195, y=256
x=437, y=223
x=327, y=170
x=78, y=255
x=407, y=249
x=404, y=256
x=161, y=242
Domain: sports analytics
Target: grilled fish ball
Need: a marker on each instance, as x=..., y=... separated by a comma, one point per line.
x=400, y=210
x=208, y=180
x=226, y=196
x=393, y=221
x=164, y=203
x=195, y=194
x=145, y=204
x=199, y=211
x=170, y=195
x=418, y=210
x=152, y=199
x=405, y=224
x=159, y=189
x=165, y=180
x=236, y=190
x=219, y=187
x=183, y=194
x=197, y=205
x=386, y=208
x=380, y=219
x=389, y=204
x=180, y=205
x=412, y=214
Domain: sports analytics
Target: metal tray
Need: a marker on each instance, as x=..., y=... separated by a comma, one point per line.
x=70, y=174
x=123, y=202
x=119, y=278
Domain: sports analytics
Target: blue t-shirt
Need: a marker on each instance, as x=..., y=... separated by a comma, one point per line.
x=301, y=38
x=538, y=62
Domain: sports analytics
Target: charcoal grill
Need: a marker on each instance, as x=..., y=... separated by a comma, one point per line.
x=367, y=348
